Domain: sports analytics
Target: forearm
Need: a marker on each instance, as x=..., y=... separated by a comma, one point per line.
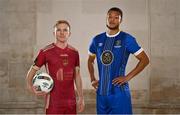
x=78, y=83
x=91, y=70
x=143, y=62
x=139, y=67
x=29, y=78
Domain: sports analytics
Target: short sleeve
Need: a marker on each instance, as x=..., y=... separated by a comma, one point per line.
x=92, y=47
x=132, y=45
x=40, y=59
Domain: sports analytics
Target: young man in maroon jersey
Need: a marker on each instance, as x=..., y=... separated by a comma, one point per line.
x=62, y=63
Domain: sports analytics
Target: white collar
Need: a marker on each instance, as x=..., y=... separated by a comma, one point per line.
x=112, y=35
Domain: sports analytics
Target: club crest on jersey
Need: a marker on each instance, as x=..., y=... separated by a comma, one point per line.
x=100, y=44
x=107, y=57
x=64, y=58
x=117, y=44
x=65, y=61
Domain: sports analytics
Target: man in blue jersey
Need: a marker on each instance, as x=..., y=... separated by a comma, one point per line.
x=112, y=49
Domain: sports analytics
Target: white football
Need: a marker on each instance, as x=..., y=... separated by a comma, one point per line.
x=43, y=82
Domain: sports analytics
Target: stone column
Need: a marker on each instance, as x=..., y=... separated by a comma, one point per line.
x=17, y=39
x=165, y=54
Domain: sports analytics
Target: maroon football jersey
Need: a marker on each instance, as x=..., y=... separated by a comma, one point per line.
x=60, y=64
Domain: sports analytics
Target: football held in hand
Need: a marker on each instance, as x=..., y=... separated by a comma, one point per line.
x=43, y=82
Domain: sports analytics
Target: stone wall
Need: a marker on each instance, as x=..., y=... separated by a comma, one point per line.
x=155, y=23
x=165, y=54
x=17, y=39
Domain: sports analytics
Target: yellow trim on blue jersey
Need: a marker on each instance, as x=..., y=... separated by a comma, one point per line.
x=91, y=54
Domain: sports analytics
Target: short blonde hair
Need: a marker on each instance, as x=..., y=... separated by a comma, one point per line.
x=60, y=22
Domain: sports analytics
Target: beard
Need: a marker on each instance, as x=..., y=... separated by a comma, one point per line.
x=113, y=28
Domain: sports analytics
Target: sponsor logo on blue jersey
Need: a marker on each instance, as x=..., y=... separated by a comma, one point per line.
x=117, y=44
x=100, y=44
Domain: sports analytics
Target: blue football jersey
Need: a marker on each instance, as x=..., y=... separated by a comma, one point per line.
x=112, y=53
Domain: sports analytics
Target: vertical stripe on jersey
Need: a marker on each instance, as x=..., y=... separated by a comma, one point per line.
x=59, y=74
x=105, y=82
x=47, y=101
x=121, y=71
x=47, y=68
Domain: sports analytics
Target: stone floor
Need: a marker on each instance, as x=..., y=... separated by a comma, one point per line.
x=90, y=107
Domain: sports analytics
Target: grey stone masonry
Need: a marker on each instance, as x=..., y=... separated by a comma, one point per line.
x=17, y=39
x=156, y=23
